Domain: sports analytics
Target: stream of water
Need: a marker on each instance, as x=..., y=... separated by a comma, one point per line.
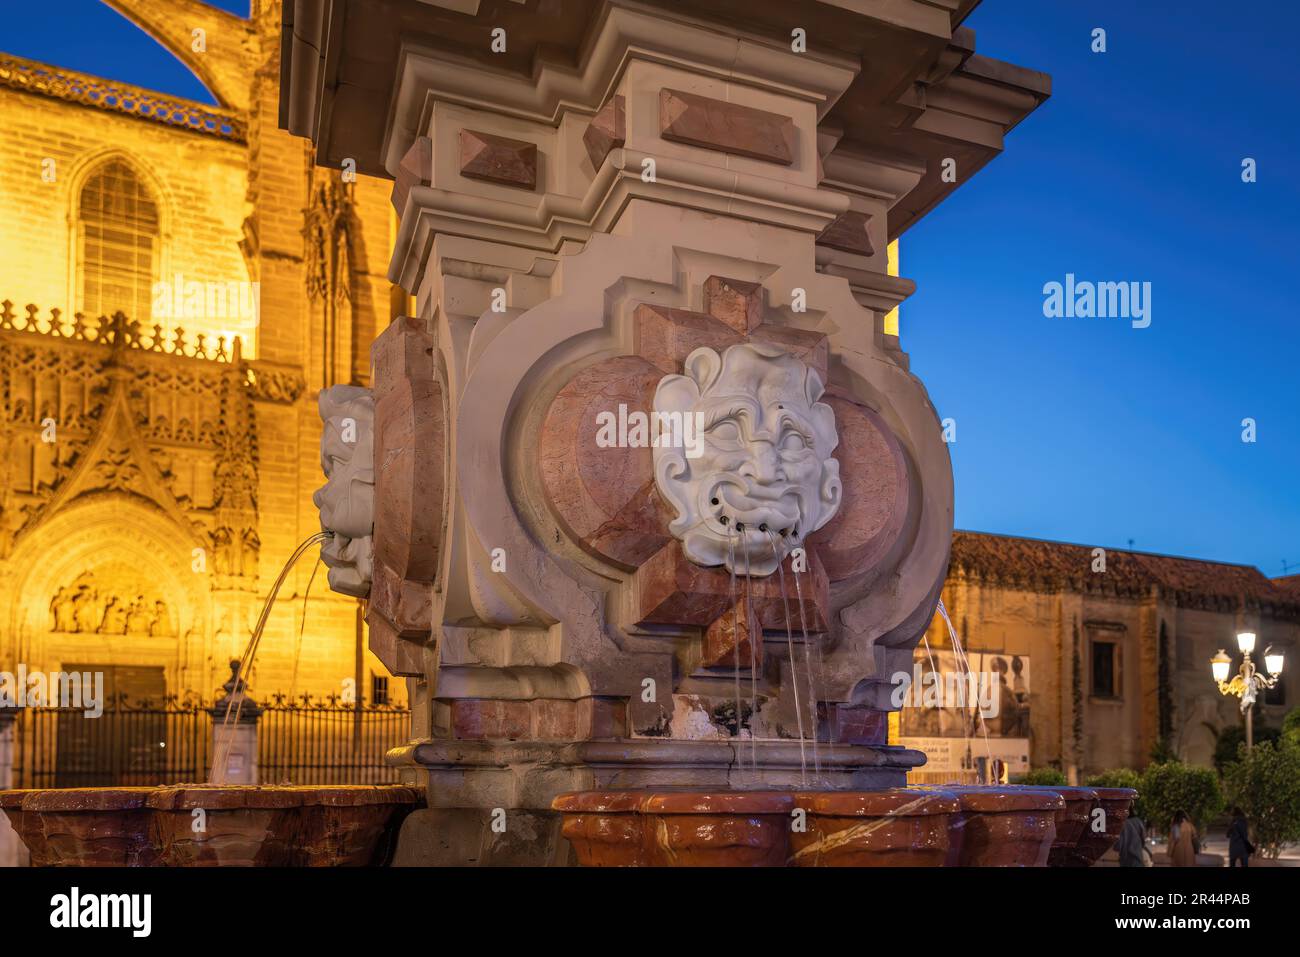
x=964, y=671
x=235, y=703
x=794, y=676
x=812, y=672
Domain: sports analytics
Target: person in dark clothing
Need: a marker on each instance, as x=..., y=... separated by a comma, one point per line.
x=1132, y=846
x=1239, y=846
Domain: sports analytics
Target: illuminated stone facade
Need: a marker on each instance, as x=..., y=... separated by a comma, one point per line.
x=152, y=483
x=1119, y=642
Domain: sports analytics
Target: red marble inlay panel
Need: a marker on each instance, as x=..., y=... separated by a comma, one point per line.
x=606, y=131
x=734, y=639
x=673, y=590
x=873, y=471
x=664, y=336
x=498, y=159
x=849, y=233
x=718, y=125
x=604, y=496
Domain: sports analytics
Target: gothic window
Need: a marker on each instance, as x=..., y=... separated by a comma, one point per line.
x=117, y=243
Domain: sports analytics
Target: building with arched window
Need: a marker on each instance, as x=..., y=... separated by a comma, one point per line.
x=180, y=282
x=118, y=241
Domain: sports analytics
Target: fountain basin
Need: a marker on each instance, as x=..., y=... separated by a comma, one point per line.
x=677, y=828
x=1116, y=803
x=197, y=825
x=897, y=827
x=1071, y=823
x=84, y=827
x=1004, y=826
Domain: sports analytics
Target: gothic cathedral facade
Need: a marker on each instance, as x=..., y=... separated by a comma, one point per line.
x=180, y=282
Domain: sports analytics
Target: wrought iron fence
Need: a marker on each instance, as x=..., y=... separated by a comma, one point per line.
x=148, y=743
x=131, y=744
x=309, y=741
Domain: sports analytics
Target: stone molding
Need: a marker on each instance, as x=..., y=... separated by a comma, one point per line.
x=42, y=79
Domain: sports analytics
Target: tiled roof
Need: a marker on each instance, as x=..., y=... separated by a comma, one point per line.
x=1033, y=564
x=45, y=80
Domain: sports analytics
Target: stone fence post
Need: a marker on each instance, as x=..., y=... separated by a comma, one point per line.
x=234, y=742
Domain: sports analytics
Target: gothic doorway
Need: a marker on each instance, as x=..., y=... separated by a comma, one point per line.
x=123, y=745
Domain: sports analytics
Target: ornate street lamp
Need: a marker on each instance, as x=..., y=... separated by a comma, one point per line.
x=1248, y=682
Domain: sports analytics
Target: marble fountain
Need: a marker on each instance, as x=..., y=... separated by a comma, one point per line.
x=644, y=498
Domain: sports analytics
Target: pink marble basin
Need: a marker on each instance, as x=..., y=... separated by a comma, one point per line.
x=677, y=828
x=1071, y=822
x=899, y=827
x=1115, y=803
x=84, y=827
x=1003, y=826
x=200, y=825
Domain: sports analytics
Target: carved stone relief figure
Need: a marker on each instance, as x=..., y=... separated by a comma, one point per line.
x=753, y=470
x=96, y=604
x=85, y=606
x=63, y=609
x=250, y=544
x=221, y=563
x=347, y=499
x=137, y=617
x=161, y=624
x=114, y=620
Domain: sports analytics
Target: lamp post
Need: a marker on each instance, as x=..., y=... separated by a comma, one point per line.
x=1248, y=681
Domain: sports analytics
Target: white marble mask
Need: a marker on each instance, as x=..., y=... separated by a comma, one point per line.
x=761, y=467
x=347, y=499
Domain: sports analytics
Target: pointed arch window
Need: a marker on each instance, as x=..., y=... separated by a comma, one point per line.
x=117, y=243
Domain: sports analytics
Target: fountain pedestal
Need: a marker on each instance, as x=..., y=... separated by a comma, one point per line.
x=234, y=732
x=645, y=212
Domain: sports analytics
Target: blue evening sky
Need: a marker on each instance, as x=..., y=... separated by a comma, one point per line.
x=1089, y=430
x=1082, y=430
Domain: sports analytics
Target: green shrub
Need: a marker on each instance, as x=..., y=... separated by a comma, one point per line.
x=1172, y=787
x=1231, y=738
x=1045, y=777
x=1121, y=778
x=1266, y=785
x=1291, y=725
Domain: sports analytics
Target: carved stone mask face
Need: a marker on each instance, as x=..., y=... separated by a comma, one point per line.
x=761, y=467
x=347, y=499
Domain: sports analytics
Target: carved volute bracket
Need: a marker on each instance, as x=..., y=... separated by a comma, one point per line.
x=410, y=488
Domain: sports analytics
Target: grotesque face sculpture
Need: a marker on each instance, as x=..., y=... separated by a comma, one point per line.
x=755, y=475
x=347, y=499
